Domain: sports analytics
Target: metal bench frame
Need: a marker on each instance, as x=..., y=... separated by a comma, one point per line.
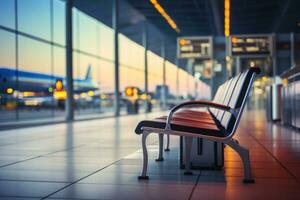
x=228, y=140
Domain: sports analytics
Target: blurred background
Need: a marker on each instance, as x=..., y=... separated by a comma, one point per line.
x=33, y=53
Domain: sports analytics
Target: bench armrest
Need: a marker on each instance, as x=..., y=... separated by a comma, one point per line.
x=198, y=104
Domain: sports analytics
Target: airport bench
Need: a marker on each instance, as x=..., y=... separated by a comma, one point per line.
x=217, y=123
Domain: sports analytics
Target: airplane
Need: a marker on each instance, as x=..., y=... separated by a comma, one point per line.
x=37, y=87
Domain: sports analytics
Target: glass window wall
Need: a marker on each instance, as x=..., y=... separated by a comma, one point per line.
x=34, y=18
x=34, y=79
x=33, y=65
x=59, y=24
x=8, y=77
x=7, y=13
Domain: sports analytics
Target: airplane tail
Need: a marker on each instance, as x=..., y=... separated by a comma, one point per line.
x=88, y=75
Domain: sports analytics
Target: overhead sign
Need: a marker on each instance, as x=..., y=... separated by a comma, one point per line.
x=194, y=47
x=251, y=45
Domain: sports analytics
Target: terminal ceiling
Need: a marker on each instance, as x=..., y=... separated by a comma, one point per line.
x=194, y=18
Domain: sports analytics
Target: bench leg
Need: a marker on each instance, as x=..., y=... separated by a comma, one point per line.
x=244, y=154
x=188, y=147
x=168, y=143
x=145, y=157
x=161, y=146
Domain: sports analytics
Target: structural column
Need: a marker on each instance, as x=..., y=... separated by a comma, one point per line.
x=274, y=59
x=292, y=40
x=69, y=62
x=228, y=58
x=177, y=80
x=196, y=79
x=212, y=91
x=115, y=23
x=274, y=88
x=238, y=65
x=145, y=44
x=163, y=89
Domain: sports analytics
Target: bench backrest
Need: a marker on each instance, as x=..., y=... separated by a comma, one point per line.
x=234, y=93
x=222, y=94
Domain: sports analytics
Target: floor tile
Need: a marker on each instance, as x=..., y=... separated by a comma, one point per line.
x=101, y=159
x=130, y=192
x=27, y=189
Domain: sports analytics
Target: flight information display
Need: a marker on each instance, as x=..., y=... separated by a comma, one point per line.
x=194, y=47
x=251, y=45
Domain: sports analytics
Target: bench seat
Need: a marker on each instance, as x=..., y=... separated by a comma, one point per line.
x=182, y=125
x=217, y=123
x=192, y=117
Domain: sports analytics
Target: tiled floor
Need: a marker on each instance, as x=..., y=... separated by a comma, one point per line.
x=100, y=159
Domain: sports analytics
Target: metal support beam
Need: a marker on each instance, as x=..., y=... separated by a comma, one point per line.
x=292, y=40
x=212, y=78
x=163, y=90
x=69, y=63
x=17, y=58
x=238, y=65
x=274, y=59
x=177, y=80
x=115, y=23
x=145, y=44
x=228, y=62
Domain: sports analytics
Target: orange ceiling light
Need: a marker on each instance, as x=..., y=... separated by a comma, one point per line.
x=234, y=40
x=226, y=18
x=165, y=15
x=182, y=42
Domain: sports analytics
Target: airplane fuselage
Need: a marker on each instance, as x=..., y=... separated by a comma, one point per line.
x=37, y=82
